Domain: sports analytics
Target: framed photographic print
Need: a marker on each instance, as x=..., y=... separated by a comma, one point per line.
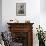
x=21, y=9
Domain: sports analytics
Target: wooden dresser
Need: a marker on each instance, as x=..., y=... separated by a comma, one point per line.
x=22, y=33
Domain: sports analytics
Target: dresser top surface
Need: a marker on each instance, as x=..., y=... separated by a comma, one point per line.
x=19, y=23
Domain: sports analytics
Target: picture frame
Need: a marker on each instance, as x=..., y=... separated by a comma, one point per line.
x=21, y=9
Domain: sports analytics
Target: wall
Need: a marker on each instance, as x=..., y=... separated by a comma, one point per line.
x=0, y=15
x=9, y=10
x=43, y=14
x=43, y=6
x=33, y=13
